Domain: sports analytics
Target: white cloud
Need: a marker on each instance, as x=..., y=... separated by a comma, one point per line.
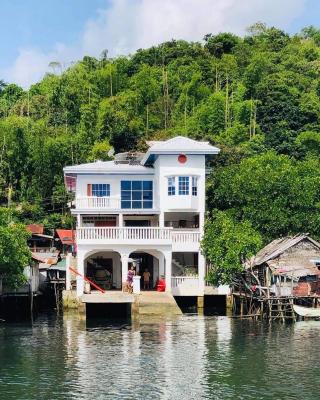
x=126, y=25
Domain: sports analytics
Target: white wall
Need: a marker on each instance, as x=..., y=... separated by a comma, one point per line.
x=168, y=165
x=113, y=180
x=165, y=165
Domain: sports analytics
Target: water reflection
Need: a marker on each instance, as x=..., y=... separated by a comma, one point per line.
x=188, y=357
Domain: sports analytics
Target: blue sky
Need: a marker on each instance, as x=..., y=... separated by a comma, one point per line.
x=35, y=32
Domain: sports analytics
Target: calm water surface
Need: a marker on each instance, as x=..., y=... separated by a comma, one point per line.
x=191, y=357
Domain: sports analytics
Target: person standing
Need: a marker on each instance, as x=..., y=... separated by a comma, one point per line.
x=131, y=274
x=146, y=279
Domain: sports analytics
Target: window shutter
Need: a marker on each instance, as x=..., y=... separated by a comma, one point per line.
x=89, y=189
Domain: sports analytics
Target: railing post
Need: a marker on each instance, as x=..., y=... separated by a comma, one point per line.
x=168, y=269
x=124, y=267
x=80, y=269
x=201, y=271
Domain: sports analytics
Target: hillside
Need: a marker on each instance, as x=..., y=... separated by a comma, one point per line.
x=256, y=97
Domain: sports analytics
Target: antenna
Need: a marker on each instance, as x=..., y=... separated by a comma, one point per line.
x=111, y=152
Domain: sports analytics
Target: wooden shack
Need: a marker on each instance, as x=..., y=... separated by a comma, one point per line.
x=283, y=273
x=288, y=266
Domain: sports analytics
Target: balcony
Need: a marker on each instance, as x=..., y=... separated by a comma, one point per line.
x=186, y=240
x=93, y=203
x=98, y=203
x=124, y=235
x=180, y=239
x=185, y=286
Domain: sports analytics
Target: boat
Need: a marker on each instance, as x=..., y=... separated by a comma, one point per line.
x=309, y=312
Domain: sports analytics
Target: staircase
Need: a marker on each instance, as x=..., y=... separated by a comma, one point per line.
x=156, y=303
x=178, y=266
x=281, y=308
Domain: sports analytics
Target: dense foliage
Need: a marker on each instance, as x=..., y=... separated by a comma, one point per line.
x=14, y=252
x=226, y=245
x=256, y=97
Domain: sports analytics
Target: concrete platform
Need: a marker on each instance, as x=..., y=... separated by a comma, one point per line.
x=111, y=296
x=157, y=303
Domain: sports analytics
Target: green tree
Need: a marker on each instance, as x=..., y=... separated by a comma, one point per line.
x=226, y=244
x=14, y=252
x=277, y=195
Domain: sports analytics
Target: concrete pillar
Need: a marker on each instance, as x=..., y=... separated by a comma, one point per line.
x=78, y=220
x=161, y=219
x=68, y=274
x=80, y=269
x=201, y=222
x=136, y=284
x=201, y=272
x=229, y=305
x=168, y=270
x=124, y=267
x=200, y=302
x=161, y=265
x=120, y=220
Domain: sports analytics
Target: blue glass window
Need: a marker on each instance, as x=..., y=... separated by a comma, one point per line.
x=194, y=186
x=136, y=194
x=171, y=186
x=183, y=185
x=101, y=189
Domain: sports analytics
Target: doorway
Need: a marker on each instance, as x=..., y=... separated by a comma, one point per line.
x=146, y=261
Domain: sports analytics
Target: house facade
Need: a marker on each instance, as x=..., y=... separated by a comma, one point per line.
x=146, y=209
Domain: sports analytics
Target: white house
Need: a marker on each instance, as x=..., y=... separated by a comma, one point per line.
x=144, y=207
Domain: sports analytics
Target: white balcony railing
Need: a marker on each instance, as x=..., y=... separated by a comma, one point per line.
x=125, y=233
x=185, y=236
x=185, y=281
x=185, y=286
x=138, y=233
x=93, y=202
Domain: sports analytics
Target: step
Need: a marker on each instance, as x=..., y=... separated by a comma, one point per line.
x=157, y=303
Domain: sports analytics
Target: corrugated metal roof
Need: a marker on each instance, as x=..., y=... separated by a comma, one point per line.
x=105, y=167
x=179, y=144
x=66, y=236
x=46, y=257
x=279, y=246
x=282, y=261
x=35, y=228
x=60, y=266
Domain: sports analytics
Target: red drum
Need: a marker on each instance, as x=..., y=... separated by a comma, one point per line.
x=161, y=285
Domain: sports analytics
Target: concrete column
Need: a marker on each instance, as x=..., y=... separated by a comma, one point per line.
x=68, y=275
x=201, y=222
x=124, y=268
x=79, y=220
x=161, y=219
x=80, y=269
x=120, y=220
x=161, y=265
x=201, y=272
x=168, y=269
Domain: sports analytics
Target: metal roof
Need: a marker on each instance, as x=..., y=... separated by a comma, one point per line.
x=106, y=167
x=129, y=162
x=35, y=228
x=177, y=145
x=66, y=236
x=282, y=261
x=279, y=246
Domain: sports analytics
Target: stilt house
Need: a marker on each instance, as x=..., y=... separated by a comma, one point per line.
x=287, y=266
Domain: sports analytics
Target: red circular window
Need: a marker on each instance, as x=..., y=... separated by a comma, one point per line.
x=182, y=158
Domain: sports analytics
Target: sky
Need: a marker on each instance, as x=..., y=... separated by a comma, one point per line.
x=34, y=33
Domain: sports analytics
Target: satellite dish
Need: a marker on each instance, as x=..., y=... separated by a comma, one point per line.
x=111, y=152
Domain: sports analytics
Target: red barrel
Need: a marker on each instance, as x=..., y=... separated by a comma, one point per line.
x=161, y=285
